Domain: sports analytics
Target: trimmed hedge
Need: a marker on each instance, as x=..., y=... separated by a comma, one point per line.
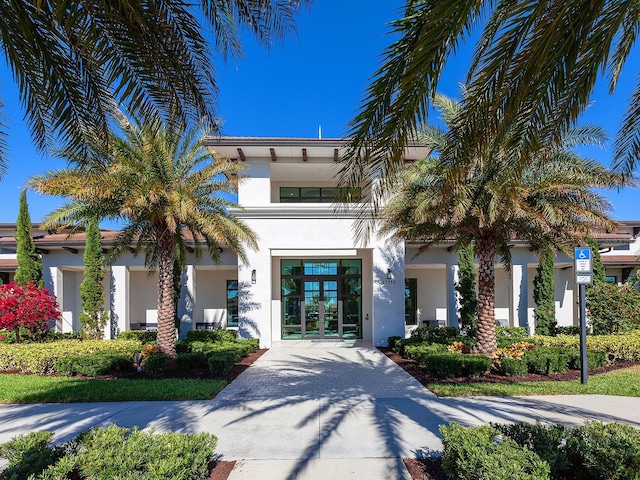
x=94, y=364
x=40, y=358
x=506, y=336
x=545, y=360
x=220, y=363
x=192, y=360
x=435, y=334
x=211, y=335
x=143, y=336
x=475, y=453
x=154, y=364
x=623, y=346
x=513, y=367
x=566, y=330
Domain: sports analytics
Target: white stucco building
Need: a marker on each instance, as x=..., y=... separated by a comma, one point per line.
x=310, y=278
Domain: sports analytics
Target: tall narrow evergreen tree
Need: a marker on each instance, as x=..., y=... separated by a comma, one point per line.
x=466, y=288
x=93, y=317
x=544, y=295
x=599, y=272
x=29, y=262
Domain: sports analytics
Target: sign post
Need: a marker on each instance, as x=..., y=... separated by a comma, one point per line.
x=583, y=269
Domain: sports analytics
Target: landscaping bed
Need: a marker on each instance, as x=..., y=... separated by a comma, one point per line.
x=414, y=369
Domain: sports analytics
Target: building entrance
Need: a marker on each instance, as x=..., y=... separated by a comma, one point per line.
x=321, y=299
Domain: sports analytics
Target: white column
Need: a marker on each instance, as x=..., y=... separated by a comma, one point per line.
x=57, y=288
x=120, y=297
x=388, y=292
x=187, y=303
x=519, y=296
x=453, y=301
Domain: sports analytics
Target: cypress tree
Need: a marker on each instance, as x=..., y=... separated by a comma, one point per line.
x=29, y=262
x=544, y=295
x=93, y=317
x=599, y=272
x=466, y=288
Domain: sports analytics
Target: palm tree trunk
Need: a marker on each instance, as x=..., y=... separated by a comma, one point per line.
x=166, y=308
x=486, y=339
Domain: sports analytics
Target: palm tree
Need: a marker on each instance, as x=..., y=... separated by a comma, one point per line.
x=550, y=203
x=533, y=71
x=161, y=181
x=74, y=60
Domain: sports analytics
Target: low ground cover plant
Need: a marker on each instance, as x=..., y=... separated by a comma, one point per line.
x=594, y=451
x=108, y=453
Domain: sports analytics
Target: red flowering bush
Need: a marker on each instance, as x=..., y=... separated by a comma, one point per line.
x=27, y=307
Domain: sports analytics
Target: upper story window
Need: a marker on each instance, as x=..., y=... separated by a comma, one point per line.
x=318, y=195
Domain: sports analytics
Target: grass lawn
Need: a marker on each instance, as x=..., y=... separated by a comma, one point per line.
x=624, y=382
x=15, y=388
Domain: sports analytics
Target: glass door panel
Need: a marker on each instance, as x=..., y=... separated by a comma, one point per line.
x=312, y=312
x=330, y=308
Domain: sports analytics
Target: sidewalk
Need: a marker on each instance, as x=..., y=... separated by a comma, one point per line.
x=318, y=411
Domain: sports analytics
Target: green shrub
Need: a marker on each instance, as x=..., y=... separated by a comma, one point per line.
x=613, y=308
x=572, y=330
x=392, y=341
x=154, y=364
x=143, y=336
x=604, y=451
x=28, y=455
x=192, y=360
x=506, y=336
x=546, y=360
x=595, y=359
x=476, y=453
x=421, y=351
x=220, y=363
x=238, y=348
x=40, y=358
x=119, y=453
x=617, y=346
x=94, y=364
x=545, y=440
x=7, y=336
x=211, y=335
x=182, y=346
x=436, y=334
x=447, y=365
x=512, y=367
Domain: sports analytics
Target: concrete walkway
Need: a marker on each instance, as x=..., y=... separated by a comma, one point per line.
x=316, y=410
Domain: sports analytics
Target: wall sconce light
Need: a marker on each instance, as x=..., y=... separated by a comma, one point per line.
x=253, y=276
x=389, y=274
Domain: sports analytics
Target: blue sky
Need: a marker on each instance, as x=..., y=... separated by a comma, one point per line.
x=314, y=78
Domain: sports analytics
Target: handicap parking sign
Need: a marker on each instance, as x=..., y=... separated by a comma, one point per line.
x=583, y=263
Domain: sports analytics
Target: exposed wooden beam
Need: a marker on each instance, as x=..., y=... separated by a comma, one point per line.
x=72, y=250
x=241, y=154
x=273, y=154
x=304, y=154
x=336, y=157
